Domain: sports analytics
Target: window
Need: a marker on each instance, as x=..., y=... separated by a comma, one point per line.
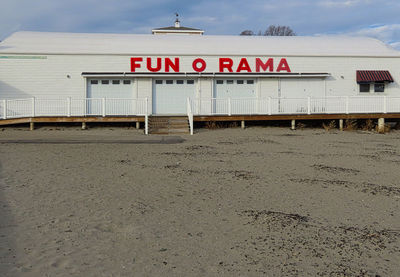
x=229, y=82
x=250, y=82
x=105, y=82
x=364, y=87
x=379, y=87
x=127, y=82
x=169, y=82
x=94, y=82
x=115, y=82
x=240, y=82
x=159, y=82
x=179, y=82
x=220, y=82
x=190, y=82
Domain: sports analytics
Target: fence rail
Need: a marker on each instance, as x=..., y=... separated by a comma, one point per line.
x=34, y=107
x=282, y=106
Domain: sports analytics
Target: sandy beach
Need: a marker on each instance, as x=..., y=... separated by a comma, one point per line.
x=264, y=201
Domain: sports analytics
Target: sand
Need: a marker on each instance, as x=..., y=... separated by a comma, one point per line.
x=225, y=202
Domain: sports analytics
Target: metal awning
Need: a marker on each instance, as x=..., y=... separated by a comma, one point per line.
x=369, y=76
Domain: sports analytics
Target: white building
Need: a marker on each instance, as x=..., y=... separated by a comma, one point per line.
x=212, y=71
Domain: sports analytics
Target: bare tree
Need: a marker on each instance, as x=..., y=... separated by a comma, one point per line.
x=247, y=33
x=272, y=30
x=279, y=30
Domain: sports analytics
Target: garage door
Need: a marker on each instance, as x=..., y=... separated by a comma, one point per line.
x=242, y=93
x=299, y=88
x=118, y=94
x=294, y=93
x=170, y=95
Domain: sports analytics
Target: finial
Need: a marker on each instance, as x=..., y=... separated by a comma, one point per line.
x=177, y=22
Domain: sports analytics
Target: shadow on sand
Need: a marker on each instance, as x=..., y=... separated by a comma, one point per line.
x=7, y=240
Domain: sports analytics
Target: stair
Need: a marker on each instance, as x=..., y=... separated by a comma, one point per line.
x=169, y=125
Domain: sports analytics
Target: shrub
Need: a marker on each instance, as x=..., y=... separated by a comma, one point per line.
x=331, y=125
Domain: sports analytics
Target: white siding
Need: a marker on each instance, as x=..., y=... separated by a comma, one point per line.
x=48, y=77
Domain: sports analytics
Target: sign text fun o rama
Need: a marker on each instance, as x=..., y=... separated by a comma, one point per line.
x=158, y=64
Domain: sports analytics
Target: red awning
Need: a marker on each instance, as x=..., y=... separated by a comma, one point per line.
x=368, y=76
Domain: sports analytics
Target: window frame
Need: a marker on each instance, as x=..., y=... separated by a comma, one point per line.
x=380, y=84
x=363, y=85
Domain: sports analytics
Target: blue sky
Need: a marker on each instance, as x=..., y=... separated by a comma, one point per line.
x=375, y=18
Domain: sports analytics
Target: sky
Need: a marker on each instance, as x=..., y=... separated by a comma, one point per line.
x=374, y=18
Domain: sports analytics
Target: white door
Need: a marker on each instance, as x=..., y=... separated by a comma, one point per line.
x=118, y=94
x=170, y=95
x=242, y=95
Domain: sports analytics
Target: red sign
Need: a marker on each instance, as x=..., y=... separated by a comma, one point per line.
x=200, y=65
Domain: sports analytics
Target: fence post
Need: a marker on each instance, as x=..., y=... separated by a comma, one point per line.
x=347, y=105
x=146, y=117
x=103, y=106
x=308, y=105
x=5, y=108
x=384, y=104
x=269, y=106
x=69, y=106
x=229, y=107
x=33, y=106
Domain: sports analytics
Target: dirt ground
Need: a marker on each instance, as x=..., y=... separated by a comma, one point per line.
x=227, y=202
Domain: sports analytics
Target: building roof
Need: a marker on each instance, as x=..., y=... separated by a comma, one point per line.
x=174, y=45
x=181, y=28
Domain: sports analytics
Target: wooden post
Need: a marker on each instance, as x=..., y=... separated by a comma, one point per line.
x=83, y=125
x=137, y=125
x=341, y=124
x=31, y=126
x=243, y=124
x=293, y=125
x=381, y=125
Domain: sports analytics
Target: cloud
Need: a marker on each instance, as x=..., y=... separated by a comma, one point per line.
x=347, y=3
x=389, y=33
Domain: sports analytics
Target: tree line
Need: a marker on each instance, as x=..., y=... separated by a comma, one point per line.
x=272, y=30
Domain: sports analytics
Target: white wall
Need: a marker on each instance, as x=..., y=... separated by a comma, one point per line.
x=23, y=78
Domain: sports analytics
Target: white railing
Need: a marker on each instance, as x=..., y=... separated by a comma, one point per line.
x=31, y=107
x=307, y=105
x=146, y=116
x=34, y=107
x=190, y=115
